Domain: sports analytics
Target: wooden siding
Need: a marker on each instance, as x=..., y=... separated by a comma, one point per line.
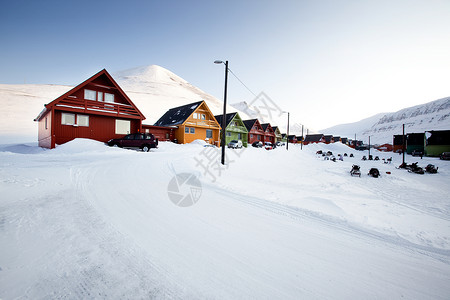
x=161, y=133
x=101, y=128
x=45, y=130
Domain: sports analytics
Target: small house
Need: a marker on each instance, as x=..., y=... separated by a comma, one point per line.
x=277, y=132
x=235, y=128
x=255, y=131
x=344, y=140
x=162, y=133
x=313, y=138
x=292, y=139
x=269, y=134
x=284, y=137
x=299, y=139
x=328, y=139
x=95, y=109
x=336, y=139
x=191, y=122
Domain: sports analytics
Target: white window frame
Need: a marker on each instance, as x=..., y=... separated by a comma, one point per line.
x=123, y=126
x=85, y=124
x=65, y=119
x=89, y=94
x=109, y=98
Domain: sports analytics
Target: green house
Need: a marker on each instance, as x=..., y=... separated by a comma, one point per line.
x=234, y=128
x=436, y=142
x=284, y=137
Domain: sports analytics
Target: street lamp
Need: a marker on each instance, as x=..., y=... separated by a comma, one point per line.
x=224, y=118
x=287, y=134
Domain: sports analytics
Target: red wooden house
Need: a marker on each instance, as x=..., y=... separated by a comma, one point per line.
x=255, y=131
x=269, y=134
x=314, y=139
x=96, y=109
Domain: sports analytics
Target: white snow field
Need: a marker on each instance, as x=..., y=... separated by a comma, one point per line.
x=85, y=221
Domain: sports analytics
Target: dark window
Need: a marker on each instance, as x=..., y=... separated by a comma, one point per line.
x=209, y=133
x=192, y=130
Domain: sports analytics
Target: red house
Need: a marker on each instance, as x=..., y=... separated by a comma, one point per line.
x=269, y=134
x=255, y=131
x=96, y=109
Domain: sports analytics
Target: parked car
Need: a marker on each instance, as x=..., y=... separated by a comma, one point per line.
x=257, y=144
x=235, y=144
x=445, y=156
x=143, y=141
x=268, y=146
x=417, y=153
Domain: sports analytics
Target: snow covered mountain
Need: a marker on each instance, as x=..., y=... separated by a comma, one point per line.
x=433, y=115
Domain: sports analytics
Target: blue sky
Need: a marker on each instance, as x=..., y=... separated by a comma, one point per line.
x=327, y=62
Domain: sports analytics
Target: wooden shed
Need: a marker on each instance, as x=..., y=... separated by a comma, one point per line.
x=193, y=121
x=235, y=128
x=415, y=142
x=328, y=139
x=96, y=109
x=255, y=131
x=160, y=132
x=397, y=143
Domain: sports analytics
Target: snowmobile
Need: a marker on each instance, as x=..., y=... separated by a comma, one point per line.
x=387, y=161
x=370, y=157
x=374, y=173
x=355, y=171
x=364, y=158
x=345, y=155
x=414, y=168
x=319, y=152
x=377, y=158
x=432, y=169
x=351, y=155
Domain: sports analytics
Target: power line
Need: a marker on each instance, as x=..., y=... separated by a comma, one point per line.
x=241, y=82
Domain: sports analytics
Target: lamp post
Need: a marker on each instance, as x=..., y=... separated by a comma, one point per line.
x=224, y=119
x=287, y=134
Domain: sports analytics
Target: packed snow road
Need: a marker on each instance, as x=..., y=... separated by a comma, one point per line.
x=87, y=221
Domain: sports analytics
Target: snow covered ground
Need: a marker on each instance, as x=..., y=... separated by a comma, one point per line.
x=88, y=221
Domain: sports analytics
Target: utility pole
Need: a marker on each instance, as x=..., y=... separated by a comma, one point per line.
x=403, y=145
x=287, y=142
x=369, y=145
x=303, y=139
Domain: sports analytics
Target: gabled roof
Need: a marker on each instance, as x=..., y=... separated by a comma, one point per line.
x=229, y=117
x=103, y=73
x=178, y=115
x=313, y=137
x=327, y=138
x=250, y=123
x=265, y=126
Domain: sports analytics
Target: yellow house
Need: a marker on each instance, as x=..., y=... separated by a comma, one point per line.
x=192, y=121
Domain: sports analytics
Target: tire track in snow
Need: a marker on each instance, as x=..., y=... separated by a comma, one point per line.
x=298, y=215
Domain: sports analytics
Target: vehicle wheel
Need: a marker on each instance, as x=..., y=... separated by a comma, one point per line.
x=145, y=148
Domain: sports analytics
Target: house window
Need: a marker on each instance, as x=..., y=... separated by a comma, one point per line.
x=100, y=96
x=209, y=133
x=186, y=129
x=239, y=136
x=228, y=133
x=192, y=130
x=259, y=137
x=123, y=126
x=109, y=97
x=167, y=136
x=46, y=125
x=90, y=95
x=251, y=135
x=67, y=119
x=203, y=117
x=195, y=116
x=83, y=120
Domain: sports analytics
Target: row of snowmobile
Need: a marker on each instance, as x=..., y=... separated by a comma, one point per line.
x=414, y=168
x=356, y=171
